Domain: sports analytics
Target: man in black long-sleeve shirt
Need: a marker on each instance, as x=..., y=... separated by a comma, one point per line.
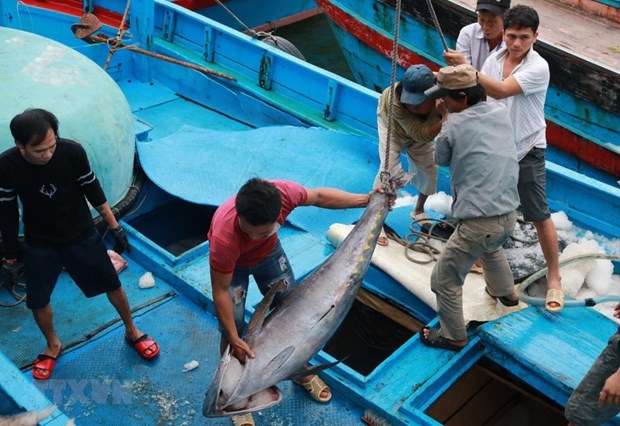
x=53, y=179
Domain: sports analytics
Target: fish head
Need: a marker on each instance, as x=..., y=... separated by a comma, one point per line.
x=221, y=398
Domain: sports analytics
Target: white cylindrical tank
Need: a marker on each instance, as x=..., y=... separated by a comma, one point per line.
x=37, y=72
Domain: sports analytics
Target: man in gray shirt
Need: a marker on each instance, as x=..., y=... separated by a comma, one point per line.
x=477, y=142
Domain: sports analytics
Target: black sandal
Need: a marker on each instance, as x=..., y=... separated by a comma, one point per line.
x=436, y=340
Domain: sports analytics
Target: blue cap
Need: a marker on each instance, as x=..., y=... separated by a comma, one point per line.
x=416, y=80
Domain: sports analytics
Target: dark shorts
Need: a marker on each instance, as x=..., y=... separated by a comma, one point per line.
x=86, y=261
x=533, y=186
x=582, y=408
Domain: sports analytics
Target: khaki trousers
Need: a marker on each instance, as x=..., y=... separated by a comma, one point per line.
x=473, y=238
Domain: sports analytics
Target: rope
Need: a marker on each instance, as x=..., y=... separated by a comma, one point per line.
x=98, y=38
x=385, y=174
x=539, y=301
x=236, y=18
x=119, y=36
x=421, y=243
x=436, y=22
x=19, y=297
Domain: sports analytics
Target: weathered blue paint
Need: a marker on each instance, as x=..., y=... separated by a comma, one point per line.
x=24, y=394
x=371, y=67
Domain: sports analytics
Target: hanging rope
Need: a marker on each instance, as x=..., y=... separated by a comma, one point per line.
x=436, y=22
x=119, y=36
x=385, y=173
x=249, y=30
x=236, y=18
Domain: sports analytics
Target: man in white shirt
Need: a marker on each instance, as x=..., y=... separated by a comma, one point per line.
x=518, y=77
x=478, y=40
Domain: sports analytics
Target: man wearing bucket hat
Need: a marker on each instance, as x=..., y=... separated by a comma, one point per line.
x=416, y=123
x=477, y=142
x=478, y=40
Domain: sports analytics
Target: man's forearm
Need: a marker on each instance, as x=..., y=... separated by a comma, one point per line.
x=331, y=198
x=106, y=212
x=225, y=313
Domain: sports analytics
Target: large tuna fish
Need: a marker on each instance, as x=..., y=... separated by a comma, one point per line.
x=301, y=324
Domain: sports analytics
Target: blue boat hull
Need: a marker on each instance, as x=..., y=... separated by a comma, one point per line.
x=581, y=124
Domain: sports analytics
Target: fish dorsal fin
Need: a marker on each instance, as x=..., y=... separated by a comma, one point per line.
x=261, y=310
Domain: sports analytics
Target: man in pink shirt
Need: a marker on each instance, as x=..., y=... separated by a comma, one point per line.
x=244, y=241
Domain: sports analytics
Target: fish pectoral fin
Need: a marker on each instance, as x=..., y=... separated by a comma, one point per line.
x=307, y=370
x=278, y=361
x=258, y=317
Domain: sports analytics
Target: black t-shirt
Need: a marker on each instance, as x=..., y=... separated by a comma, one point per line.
x=52, y=196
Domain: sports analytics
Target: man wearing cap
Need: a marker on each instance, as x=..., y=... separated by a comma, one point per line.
x=477, y=142
x=416, y=123
x=518, y=77
x=478, y=40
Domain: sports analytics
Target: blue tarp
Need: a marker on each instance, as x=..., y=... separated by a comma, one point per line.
x=207, y=167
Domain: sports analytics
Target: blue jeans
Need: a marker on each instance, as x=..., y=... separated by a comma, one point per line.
x=271, y=270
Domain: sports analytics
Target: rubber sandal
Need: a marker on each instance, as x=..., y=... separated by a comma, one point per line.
x=383, y=239
x=142, y=344
x=44, y=362
x=243, y=420
x=439, y=229
x=314, y=387
x=436, y=340
x=503, y=299
x=421, y=219
x=554, y=296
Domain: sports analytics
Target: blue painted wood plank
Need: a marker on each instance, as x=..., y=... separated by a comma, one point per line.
x=553, y=351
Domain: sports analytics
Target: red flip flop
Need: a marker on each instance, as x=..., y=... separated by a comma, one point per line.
x=44, y=362
x=142, y=344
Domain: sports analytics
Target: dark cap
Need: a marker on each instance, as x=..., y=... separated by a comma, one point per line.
x=416, y=80
x=496, y=7
x=461, y=76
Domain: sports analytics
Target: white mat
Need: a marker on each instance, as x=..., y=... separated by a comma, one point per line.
x=477, y=305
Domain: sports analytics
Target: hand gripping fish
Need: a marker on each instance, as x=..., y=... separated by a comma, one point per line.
x=299, y=326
